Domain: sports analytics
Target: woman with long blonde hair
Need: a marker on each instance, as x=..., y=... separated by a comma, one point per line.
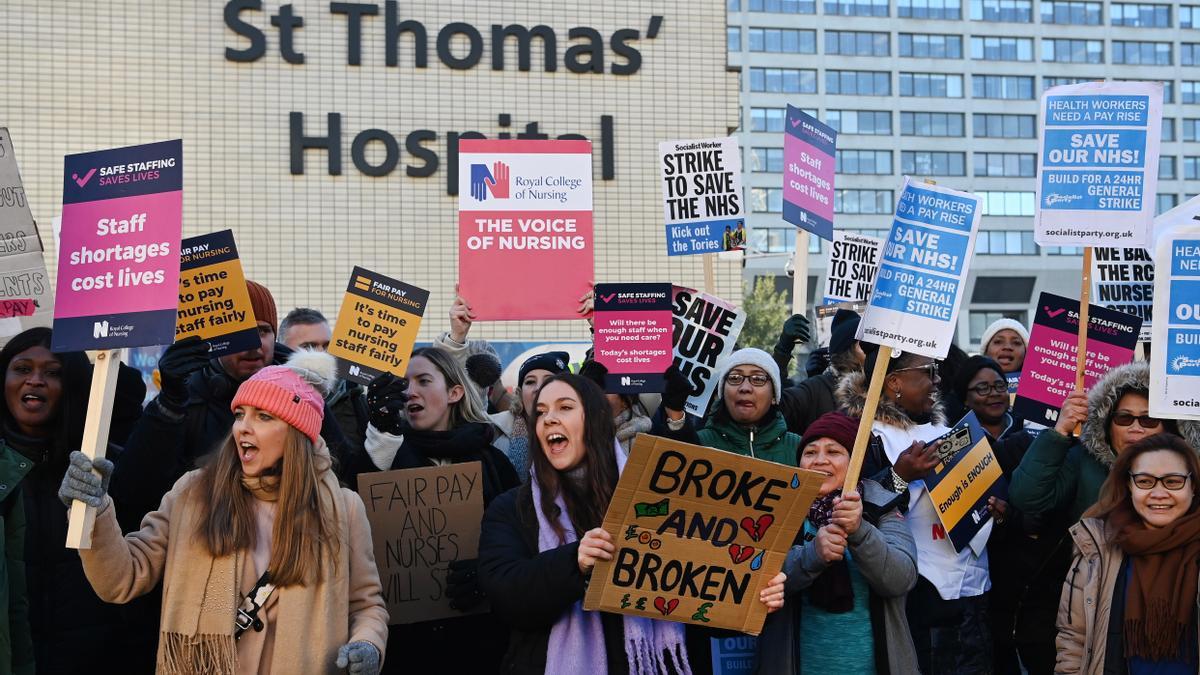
x=266, y=562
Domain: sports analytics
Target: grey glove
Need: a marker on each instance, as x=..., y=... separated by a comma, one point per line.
x=359, y=658
x=80, y=483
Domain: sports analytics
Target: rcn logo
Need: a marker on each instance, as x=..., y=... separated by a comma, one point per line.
x=100, y=329
x=626, y=381
x=355, y=370
x=494, y=180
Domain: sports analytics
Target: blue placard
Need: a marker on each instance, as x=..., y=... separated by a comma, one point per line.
x=712, y=236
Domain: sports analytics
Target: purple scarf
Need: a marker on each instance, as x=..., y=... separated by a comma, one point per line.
x=576, y=643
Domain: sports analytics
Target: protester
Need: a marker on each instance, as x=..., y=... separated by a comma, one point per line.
x=443, y=423
x=512, y=430
x=949, y=369
x=813, y=397
x=948, y=608
x=457, y=343
x=46, y=397
x=796, y=331
x=852, y=572
x=983, y=389
x=1129, y=603
x=539, y=543
x=1005, y=341
x=191, y=414
x=263, y=526
x=629, y=415
x=307, y=328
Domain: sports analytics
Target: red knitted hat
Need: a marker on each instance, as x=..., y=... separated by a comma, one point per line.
x=836, y=425
x=281, y=392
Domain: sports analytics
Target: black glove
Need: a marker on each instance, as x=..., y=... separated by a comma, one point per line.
x=385, y=402
x=818, y=361
x=180, y=360
x=462, y=585
x=795, y=331
x=677, y=391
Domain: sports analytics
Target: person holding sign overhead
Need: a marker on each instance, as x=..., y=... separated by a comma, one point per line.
x=1129, y=603
x=266, y=563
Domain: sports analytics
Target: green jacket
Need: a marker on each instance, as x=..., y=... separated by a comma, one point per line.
x=769, y=440
x=16, y=641
x=1057, y=475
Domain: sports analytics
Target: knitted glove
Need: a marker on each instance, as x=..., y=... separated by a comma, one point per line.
x=385, y=401
x=180, y=360
x=359, y=658
x=677, y=391
x=462, y=585
x=80, y=483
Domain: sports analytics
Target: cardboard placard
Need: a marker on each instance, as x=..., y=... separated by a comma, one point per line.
x=824, y=318
x=421, y=521
x=853, y=262
x=702, y=195
x=1175, y=360
x=1123, y=281
x=213, y=301
x=525, y=227
x=376, y=326
x=1098, y=168
x=1048, y=374
x=919, y=287
x=967, y=475
x=809, y=162
x=632, y=330
x=684, y=512
x=705, y=328
x=118, y=262
x=26, y=299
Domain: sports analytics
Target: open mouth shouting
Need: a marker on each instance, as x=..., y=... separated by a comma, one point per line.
x=247, y=451
x=34, y=402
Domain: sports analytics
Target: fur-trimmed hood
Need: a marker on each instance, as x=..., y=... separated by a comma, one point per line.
x=1131, y=377
x=851, y=395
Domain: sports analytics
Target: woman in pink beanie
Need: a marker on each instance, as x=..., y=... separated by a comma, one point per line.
x=267, y=563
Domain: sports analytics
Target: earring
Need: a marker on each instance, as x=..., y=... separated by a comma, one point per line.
x=897, y=396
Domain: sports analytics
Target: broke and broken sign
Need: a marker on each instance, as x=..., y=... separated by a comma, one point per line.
x=698, y=533
x=376, y=326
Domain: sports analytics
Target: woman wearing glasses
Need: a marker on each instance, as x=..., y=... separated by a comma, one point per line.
x=1129, y=604
x=745, y=418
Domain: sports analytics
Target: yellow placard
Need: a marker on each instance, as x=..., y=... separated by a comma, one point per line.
x=376, y=326
x=965, y=484
x=213, y=301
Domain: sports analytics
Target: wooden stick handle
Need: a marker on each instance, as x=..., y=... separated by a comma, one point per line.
x=868, y=418
x=95, y=439
x=800, y=274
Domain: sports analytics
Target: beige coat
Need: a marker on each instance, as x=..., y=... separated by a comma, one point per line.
x=1086, y=603
x=309, y=623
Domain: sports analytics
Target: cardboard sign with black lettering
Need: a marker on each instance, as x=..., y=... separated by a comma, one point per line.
x=704, y=328
x=376, y=326
x=421, y=521
x=698, y=533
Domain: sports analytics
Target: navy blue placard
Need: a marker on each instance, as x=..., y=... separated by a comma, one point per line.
x=123, y=172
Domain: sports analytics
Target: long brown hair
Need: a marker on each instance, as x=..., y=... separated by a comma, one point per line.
x=304, y=536
x=585, y=503
x=1115, y=504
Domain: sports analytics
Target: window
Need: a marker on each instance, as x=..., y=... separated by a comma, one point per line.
x=864, y=162
x=1006, y=164
x=930, y=163
x=865, y=122
x=1166, y=168
x=1048, y=82
x=921, y=45
x=935, y=85
x=783, y=80
x=1164, y=203
x=1140, y=15
x=1063, y=250
x=769, y=160
x=1189, y=54
x=863, y=202
x=1141, y=53
x=733, y=5
x=1072, y=12
x=1064, y=50
x=857, y=7
x=1189, y=92
x=996, y=203
x=991, y=48
x=1168, y=129
x=733, y=38
x=783, y=6
x=1002, y=86
x=858, y=82
x=766, y=200
x=979, y=321
x=857, y=43
x=783, y=41
x=1004, y=242
x=1191, y=129
x=767, y=119
x=1191, y=168
x=1189, y=16
x=931, y=124
x=1018, y=11
x=1168, y=87
x=776, y=240
x=929, y=9
x=993, y=125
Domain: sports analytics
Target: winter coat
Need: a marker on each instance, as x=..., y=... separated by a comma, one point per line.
x=803, y=404
x=1060, y=476
x=348, y=403
x=166, y=444
x=885, y=555
x=769, y=439
x=16, y=642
